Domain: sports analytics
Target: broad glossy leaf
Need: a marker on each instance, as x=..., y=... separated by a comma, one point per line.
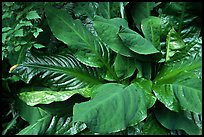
x=62, y=71
x=112, y=98
x=151, y=28
x=146, y=86
x=176, y=120
x=185, y=95
x=107, y=30
x=124, y=71
x=87, y=47
x=171, y=71
x=136, y=42
x=33, y=98
x=140, y=11
x=178, y=85
x=153, y=127
x=174, y=43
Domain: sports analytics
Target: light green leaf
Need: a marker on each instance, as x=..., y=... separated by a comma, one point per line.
x=37, y=32
x=174, y=43
x=136, y=42
x=112, y=98
x=18, y=33
x=38, y=46
x=151, y=28
x=46, y=97
x=107, y=30
x=32, y=15
x=5, y=29
x=17, y=48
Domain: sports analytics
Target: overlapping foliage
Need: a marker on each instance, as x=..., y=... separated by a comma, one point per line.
x=102, y=68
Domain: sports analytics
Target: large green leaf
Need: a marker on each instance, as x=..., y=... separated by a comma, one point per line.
x=61, y=71
x=185, y=95
x=178, y=85
x=114, y=108
x=107, y=30
x=87, y=48
x=136, y=42
x=177, y=120
x=151, y=27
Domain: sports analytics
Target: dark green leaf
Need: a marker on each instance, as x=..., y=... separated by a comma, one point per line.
x=85, y=9
x=187, y=24
x=151, y=28
x=146, y=86
x=124, y=71
x=140, y=11
x=28, y=113
x=61, y=71
x=87, y=48
x=42, y=123
x=107, y=30
x=136, y=42
x=176, y=120
x=153, y=127
x=109, y=9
